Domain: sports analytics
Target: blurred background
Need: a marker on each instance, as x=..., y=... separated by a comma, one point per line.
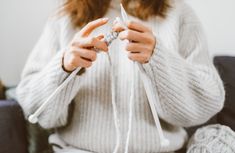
x=22, y=22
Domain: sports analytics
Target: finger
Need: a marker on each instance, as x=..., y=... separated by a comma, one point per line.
x=101, y=45
x=85, y=63
x=79, y=61
x=137, y=26
x=93, y=42
x=80, y=43
x=87, y=54
x=100, y=37
x=92, y=26
x=118, y=27
x=132, y=36
x=137, y=47
x=138, y=57
x=76, y=61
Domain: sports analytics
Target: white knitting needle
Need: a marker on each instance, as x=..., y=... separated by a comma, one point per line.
x=34, y=117
x=151, y=92
x=152, y=95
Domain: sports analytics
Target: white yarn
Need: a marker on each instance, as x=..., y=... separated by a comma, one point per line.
x=152, y=95
x=213, y=139
x=115, y=113
x=131, y=105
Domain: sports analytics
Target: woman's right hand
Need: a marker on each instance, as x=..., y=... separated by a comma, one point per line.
x=81, y=51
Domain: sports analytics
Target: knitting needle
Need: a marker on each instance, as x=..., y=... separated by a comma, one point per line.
x=152, y=97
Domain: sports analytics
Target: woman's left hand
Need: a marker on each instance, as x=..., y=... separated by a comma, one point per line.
x=141, y=41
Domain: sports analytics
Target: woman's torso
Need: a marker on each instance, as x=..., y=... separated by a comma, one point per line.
x=92, y=126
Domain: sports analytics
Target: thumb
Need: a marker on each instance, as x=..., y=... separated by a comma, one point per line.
x=100, y=37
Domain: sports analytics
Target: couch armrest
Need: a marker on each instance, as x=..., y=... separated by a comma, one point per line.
x=12, y=128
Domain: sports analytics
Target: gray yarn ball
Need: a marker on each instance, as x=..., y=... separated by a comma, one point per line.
x=212, y=139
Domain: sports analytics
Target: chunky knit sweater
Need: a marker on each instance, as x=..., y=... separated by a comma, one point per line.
x=189, y=88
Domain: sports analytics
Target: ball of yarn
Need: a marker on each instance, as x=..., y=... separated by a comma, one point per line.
x=212, y=139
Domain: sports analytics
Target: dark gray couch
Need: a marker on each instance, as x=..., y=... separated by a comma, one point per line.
x=12, y=128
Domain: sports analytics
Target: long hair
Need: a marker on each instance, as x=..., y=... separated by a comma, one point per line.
x=83, y=11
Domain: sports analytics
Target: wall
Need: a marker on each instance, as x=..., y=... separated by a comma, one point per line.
x=20, y=26
x=22, y=22
x=218, y=18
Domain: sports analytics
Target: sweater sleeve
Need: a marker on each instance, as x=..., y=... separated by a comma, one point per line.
x=42, y=74
x=189, y=87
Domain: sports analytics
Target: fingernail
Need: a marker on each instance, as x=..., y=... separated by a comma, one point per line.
x=105, y=19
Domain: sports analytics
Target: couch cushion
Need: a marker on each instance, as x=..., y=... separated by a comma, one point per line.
x=12, y=128
x=226, y=68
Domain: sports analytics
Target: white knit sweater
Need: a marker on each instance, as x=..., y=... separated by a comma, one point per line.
x=188, y=85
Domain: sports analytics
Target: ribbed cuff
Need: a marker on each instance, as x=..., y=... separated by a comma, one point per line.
x=55, y=68
x=148, y=67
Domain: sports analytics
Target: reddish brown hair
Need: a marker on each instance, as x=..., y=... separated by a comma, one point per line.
x=83, y=11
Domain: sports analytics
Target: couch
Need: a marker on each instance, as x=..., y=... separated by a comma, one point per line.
x=18, y=136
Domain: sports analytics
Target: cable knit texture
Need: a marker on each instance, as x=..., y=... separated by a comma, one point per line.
x=212, y=139
x=188, y=86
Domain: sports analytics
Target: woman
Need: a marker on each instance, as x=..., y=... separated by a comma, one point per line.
x=164, y=36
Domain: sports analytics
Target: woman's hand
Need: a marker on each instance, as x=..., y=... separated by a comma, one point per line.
x=81, y=51
x=141, y=41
